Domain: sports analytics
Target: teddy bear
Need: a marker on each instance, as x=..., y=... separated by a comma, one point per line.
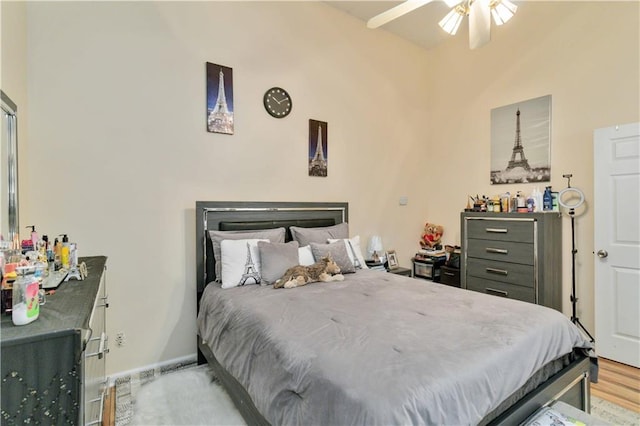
x=431, y=236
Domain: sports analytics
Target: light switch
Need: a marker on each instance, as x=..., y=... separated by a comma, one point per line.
x=404, y=200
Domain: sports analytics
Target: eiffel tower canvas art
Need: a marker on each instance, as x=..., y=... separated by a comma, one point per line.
x=521, y=142
x=219, y=99
x=318, y=148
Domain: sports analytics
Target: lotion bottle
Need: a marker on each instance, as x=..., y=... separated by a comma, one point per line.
x=547, y=199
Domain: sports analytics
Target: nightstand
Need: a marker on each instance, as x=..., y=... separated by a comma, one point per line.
x=401, y=271
x=428, y=268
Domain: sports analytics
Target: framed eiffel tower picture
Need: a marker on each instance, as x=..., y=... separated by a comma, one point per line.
x=219, y=99
x=521, y=142
x=318, y=148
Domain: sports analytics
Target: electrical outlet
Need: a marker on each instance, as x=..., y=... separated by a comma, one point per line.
x=121, y=338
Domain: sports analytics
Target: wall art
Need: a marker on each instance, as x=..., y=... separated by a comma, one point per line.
x=318, y=148
x=521, y=142
x=219, y=99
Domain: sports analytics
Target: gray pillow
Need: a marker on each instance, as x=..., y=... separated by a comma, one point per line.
x=275, y=235
x=338, y=252
x=306, y=236
x=276, y=258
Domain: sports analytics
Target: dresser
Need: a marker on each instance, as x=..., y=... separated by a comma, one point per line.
x=514, y=255
x=53, y=369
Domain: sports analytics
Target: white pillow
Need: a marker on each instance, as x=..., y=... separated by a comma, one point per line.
x=305, y=256
x=354, y=251
x=235, y=261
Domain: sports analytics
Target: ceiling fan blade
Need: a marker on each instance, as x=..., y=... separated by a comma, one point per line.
x=479, y=24
x=395, y=12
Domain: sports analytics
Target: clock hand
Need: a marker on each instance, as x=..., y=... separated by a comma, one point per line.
x=274, y=98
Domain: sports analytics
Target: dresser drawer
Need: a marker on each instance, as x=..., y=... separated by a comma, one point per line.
x=501, y=230
x=514, y=273
x=502, y=251
x=497, y=288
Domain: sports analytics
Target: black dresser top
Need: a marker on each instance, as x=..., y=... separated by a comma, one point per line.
x=68, y=310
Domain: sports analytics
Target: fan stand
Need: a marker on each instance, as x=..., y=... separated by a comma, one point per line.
x=574, y=251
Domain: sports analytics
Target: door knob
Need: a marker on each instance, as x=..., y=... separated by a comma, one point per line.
x=602, y=254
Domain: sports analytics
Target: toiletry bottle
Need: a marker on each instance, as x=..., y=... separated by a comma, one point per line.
x=521, y=202
x=547, y=200
x=530, y=204
x=34, y=237
x=25, y=301
x=64, y=252
x=57, y=249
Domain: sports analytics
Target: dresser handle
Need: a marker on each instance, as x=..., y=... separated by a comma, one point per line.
x=497, y=292
x=497, y=230
x=496, y=271
x=495, y=250
x=450, y=274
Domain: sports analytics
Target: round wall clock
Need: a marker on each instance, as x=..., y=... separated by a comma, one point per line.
x=277, y=102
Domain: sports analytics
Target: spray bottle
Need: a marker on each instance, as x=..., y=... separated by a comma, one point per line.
x=34, y=236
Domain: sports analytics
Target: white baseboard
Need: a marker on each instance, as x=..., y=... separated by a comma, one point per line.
x=188, y=359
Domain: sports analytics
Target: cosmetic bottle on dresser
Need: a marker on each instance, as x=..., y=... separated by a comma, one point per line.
x=64, y=252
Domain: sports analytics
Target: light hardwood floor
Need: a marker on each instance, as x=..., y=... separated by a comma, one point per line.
x=618, y=383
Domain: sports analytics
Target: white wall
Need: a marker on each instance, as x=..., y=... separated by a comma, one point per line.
x=118, y=151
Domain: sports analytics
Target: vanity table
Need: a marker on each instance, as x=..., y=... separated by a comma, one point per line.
x=53, y=369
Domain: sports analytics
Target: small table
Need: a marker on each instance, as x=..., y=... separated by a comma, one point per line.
x=400, y=271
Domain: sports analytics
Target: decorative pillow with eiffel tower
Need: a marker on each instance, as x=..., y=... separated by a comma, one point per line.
x=240, y=261
x=275, y=235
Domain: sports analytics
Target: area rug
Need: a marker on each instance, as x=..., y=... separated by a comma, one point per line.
x=191, y=395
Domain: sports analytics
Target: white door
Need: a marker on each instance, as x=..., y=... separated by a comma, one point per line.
x=617, y=243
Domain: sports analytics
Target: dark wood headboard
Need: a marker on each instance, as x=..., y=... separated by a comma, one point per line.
x=240, y=215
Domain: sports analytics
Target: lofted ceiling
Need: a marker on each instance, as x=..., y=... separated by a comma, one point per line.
x=419, y=26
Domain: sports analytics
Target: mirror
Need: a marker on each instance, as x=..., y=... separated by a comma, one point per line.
x=9, y=172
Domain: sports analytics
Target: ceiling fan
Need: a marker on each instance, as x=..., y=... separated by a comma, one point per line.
x=478, y=11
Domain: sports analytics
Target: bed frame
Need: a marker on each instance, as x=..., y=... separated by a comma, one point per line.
x=570, y=385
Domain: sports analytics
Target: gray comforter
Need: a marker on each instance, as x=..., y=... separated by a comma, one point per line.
x=379, y=349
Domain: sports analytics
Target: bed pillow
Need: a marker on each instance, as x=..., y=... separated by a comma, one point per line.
x=275, y=235
x=240, y=262
x=306, y=236
x=354, y=251
x=276, y=258
x=305, y=256
x=338, y=253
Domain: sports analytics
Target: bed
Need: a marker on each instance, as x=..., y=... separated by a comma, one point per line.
x=376, y=348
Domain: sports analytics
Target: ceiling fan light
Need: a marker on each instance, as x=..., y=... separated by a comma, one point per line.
x=502, y=11
x=452, y=21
